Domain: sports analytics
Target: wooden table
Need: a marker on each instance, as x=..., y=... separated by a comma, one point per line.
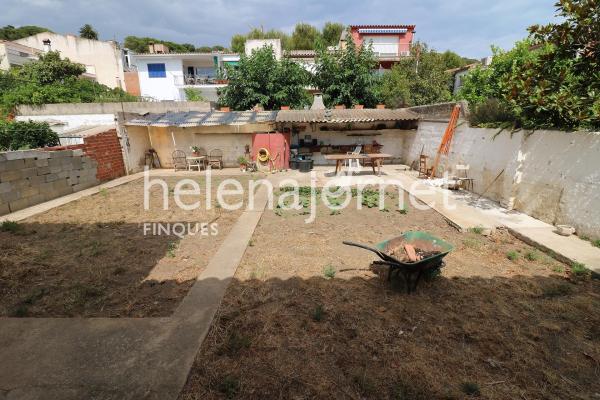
x=375, y=158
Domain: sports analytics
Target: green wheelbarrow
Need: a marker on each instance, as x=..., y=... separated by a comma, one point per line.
x=434, y=249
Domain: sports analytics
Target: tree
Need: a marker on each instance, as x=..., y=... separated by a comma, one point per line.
x=408, y=85
x=52, y=80
x=218, y=48
x=305, y=37
x=50, y=68
x=551, y=79
x=141, y=45
x=204, y=49
x=238, y=43
x=9, y=32
x=88, y=32
x=261, y=79
x=331, y=33
x=346, y=76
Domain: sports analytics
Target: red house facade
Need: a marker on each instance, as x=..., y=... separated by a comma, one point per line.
x=389, y=42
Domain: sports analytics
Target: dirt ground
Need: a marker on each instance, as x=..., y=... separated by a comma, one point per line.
x=305, y=318
x=91, y=258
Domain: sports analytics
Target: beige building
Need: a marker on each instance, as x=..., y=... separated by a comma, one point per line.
x=15, y=55
x=103, y=60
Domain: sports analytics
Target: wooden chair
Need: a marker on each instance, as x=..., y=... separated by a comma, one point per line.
x=180, y=160
x=464, y=182
x=215, y=158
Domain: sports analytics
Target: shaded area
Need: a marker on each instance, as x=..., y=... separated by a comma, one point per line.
x=536, y=337
x=93, y=257
x=307, y=318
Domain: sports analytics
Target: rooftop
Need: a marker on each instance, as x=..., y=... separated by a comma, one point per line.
x=347, y=115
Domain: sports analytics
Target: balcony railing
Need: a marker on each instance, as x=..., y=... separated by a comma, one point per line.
x=196, y=80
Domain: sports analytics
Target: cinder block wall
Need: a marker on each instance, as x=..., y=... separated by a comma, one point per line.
x=31, y=177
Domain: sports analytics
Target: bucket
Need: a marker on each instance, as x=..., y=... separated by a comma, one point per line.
x=305, y=165
x=293, y=163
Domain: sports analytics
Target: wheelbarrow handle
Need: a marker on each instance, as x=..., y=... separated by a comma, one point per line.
x=362, y=246
x=381, y=254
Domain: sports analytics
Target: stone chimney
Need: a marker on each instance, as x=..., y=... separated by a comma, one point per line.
x=318, y=102
x=47, y=45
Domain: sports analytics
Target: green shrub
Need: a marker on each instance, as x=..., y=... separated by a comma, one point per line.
x=329, y=271
x=18, y=135
x=491, y=113
x=579, y=269
x=470, y=389
x=512, y=255
x=532, y=256
x=10, y=226
x=318, y=313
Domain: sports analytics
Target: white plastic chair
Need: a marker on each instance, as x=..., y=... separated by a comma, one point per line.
x=352, y=164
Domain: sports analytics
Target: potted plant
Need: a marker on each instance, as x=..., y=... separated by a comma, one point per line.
x=195, y=151
x=243, y=161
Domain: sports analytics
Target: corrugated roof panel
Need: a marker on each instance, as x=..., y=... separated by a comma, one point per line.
x=197, y=118
x=346, y=115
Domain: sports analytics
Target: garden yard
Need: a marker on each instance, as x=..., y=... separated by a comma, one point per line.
x=92, y=258
x=305, y=317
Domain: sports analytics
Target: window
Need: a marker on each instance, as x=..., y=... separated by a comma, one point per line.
x=157, y=71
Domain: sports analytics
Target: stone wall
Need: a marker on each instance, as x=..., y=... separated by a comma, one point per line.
x=551, y=175
x=33, y=176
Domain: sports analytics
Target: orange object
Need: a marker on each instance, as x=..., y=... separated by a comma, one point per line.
x=446, y=139
x=410, y=252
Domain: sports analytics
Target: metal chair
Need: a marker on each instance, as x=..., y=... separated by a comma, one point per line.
x=180, y=160
x=215, y=158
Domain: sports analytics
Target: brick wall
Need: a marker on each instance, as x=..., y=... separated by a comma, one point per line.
x=105, y=148
x=33, y=176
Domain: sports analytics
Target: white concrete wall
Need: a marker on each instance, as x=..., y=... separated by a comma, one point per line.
x=551, y=175
x=104, y=57
x=160, y=88
x=70, y=122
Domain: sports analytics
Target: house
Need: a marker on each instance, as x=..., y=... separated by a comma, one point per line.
x=458, y=74
x=306, y=58
x=389, y=42
x=16, y=55
x=255, y=44
x=103, y=60
x=165, y=76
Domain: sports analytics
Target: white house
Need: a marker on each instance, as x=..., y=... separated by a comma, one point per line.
x=16, y=55
x=165, y=76
x=103, y=60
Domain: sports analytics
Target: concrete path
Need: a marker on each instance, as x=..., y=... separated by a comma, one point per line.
x=120, y=358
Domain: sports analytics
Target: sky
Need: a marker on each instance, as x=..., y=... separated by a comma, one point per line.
x=468, y=27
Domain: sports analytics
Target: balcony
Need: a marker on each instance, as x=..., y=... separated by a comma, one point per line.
x=391, y=56
x=198, y=80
